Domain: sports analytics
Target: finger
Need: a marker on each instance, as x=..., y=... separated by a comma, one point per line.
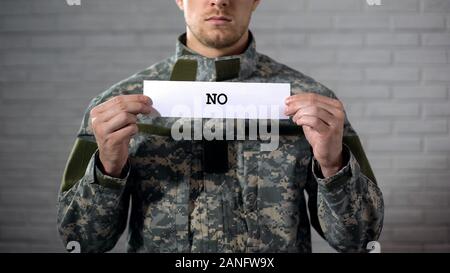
x=124, y=133
x=317, y=112
x=130, y=107
x=295, y=105
x=120, y=100
x=119, y=121
x=313, y=122
x=315, y=97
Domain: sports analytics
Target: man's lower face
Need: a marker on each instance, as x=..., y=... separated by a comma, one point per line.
x=219, y=37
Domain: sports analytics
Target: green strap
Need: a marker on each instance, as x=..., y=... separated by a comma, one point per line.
x=150, y=129
x=227, y=69
x=80, y=155
x=184, y=70
x=354, y=144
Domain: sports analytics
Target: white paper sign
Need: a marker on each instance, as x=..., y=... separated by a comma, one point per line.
x=218, y=99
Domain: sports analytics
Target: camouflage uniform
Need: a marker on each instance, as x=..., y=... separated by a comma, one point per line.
x=257, y=205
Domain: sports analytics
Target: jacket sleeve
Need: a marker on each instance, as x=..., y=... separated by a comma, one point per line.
x=92, y=207
x=346, y=209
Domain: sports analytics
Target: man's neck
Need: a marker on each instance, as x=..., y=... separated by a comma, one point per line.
x=239, y=47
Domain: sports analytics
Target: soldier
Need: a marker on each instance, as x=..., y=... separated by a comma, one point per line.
x=199, y=196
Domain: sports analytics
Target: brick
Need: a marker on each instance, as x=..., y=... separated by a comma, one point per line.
x=437, y=109
x=372, y=127
x=420, y=56
x=403, y=216
x=165, y=39
x=58, y=74
x=331, y=5
x=422, y=92
x=50, y=144
x=270, y=40
x=401, y=180
x=14, y=128
x=100, y=58
x=437, y=216
x=12, y=74
x=13, y=7
x=364, y=57
x=288, y=21
x=26, y=91
x=28, y=23
x=419, y=199
x=422, y=162
x=105, y=40
x=27, y=234
x=437, y=181
x=19, y=180
x=392, y=74
x=436, y=39
x=29, y=58
x=437, y=144
x=420, y=234
x=12, y=145
x=400, y=247
x=27, y=199
x=14, y=41
x=421, y=22
x=32, y=247
x=437, y=248
x=392, y=110
x=308, y=56
x=355, y=110
x=392, y=144
x=400, y=6
x=14, y=217
x=367, y=22
x=335, y=39
x=337, y=74
x=434, y=74
x=56, y=41
x=280, y=6
x=436, y=6
x=120, y=22
x=421, y=126
x=363, y=92
x=392, y=39
x=379, y=163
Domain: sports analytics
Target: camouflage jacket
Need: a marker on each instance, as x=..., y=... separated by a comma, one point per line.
x=257, y=205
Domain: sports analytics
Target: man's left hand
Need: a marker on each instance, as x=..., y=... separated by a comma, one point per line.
x=322, y=119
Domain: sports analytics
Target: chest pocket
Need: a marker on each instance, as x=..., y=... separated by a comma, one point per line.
x=273, y=185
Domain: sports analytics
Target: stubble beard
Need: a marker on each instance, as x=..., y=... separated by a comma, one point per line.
x=222, y=40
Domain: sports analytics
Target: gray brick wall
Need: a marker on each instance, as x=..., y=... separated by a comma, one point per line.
x=390, y=65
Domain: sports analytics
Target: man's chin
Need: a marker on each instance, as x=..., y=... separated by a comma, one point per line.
x=221, y=39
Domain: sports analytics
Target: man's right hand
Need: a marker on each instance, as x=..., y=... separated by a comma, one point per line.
x=114, y=124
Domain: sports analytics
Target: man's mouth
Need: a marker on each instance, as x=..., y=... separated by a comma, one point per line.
x=219, y=20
